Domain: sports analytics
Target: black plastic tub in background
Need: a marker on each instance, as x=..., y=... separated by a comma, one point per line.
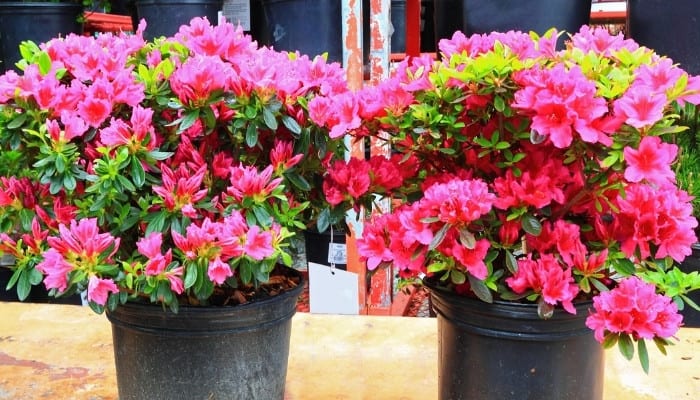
x=164, y=17
x=670, y=28
x=312, y=27
x=35, y=21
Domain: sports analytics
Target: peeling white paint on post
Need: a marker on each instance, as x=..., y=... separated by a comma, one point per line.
x=352, y=42
x=376, y=291
x=380, y=39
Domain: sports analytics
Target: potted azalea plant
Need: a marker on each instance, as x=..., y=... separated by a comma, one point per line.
x=534, y=194
x=166, y=179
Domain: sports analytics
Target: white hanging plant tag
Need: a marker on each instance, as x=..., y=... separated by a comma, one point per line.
x=332, y=290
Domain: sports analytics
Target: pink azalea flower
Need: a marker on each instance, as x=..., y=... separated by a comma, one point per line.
x=56, y=269
x=99, y=289
x=248, y=182
x=651, y=161
x=634, y=308
x=547, y=277
x=219, y=271
x=458, y=202
x=175, y=278
x=599, y=40
x=658, y=216
x=82, y=241
x=373, y=245
x=150, y=246
x=258, y=244
x=641, y=107
x=182, y=189
x=282, y=156
x=200, y=77
x=471, y=259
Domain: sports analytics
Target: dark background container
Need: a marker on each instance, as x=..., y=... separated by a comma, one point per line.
x=38, y=22
x=671, y=28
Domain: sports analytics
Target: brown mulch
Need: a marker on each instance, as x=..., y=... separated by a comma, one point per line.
x=303, y=302
x=417, y=306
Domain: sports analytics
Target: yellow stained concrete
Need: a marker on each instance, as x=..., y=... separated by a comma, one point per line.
x=65, y=352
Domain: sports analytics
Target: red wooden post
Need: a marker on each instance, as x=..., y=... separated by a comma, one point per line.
x=376, y=292
x=413, y=8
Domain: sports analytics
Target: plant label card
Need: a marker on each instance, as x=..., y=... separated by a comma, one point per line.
x=337, y=253
x=237, y=12
x=332, y=291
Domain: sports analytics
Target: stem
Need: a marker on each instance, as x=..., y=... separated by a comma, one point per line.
x=565, y=209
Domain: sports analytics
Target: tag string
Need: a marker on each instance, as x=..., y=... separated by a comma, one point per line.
x=329, y=249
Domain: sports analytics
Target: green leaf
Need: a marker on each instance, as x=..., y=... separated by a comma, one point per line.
x=661, y=344
x=44, y=62
x=188, y=120
x=69, y=183
x=323, y=221
x=126, y=184
x=35, y=277
x=480, y=289
x=17, y=121
x=60, y=163
x=251, y=135
x=624, y=266
x=531, y=225
x=160, y=155
x=262, y=216
x=291, y=124
x=209, y=118
x=626, y=346
x=457, y=277
x=610, y=340
x=156, y=222
x=439, y=237
x=598, y=285
x=23, y=286
x=269, y=119
x=436, y=267
x=286, y=259
x=511, y=262
x=499, y=104
x=643, y=355
x=298, y=181
x=467, y=239
x=190, y=276
x=138, y=174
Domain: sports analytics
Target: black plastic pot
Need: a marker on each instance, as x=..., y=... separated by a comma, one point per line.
x=318, y=245
x=6, y=295
x=203, y=353
x=311, y=27
x=504, y=351
x=164, y=17
x=447, y=19
x=671, y=29
x=485, y=16
x=38, y=22
x=37, y=294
